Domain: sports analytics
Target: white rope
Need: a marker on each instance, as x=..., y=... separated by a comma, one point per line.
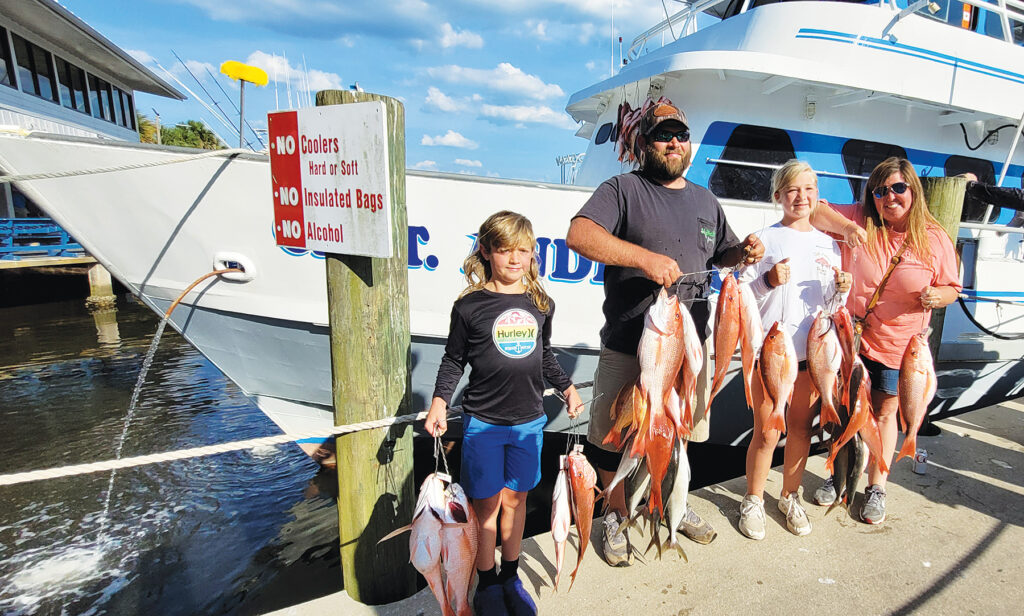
x=210, y=450
x=6, y=179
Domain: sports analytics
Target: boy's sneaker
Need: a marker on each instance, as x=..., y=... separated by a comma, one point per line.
x=490, y=600
x=752, y=517
x=615, y=544
x=696, y=528
x=517, y=600
x=826, y=494
x=796, y=517
x=873, y=509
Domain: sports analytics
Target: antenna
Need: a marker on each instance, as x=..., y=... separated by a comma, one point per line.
x=288, y=78
x=197, y=99
x=201, y=86
x=613, y=39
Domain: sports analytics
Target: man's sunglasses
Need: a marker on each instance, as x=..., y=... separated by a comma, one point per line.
x=682, y=136
x=897, y=188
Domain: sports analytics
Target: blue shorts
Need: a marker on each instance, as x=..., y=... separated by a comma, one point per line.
x=496, y=457
x=883, y=378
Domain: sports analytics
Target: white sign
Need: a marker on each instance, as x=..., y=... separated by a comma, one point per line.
x=330, y=179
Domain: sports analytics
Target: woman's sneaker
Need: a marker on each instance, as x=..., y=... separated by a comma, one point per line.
x=752, y=517
x=873, y=509
x=826, y=494
x=796, y=517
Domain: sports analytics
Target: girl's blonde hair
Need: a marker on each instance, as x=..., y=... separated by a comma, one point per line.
x=505, y=229
x=919, y=218
x=785, y=176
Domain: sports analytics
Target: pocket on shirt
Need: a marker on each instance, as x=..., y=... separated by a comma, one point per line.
x=706, y=236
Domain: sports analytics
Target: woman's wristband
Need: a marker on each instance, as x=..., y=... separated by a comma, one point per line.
x=767, y=282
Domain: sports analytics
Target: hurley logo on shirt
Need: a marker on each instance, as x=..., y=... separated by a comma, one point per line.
x=515, y=333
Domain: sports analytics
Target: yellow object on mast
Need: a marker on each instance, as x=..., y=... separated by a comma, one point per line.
x=243, y=73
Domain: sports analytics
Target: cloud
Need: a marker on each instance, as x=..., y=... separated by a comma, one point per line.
x=279, y=68
x=451, y=139
x=451, y=38
x=141, y=56
x=468, y=163
x=428, y=165
x=537, y=28
x=528, y=114
x=436, y=99
x=503, y=78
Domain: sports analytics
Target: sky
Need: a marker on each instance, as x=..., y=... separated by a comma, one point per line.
x=484, y=83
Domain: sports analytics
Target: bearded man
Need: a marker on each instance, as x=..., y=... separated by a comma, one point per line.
x=652, y=229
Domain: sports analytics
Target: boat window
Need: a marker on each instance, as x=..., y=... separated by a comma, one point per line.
x=71, y=81
x=752, y=144
x=115, y=102
x=861, y=157
x=129, y=109
x=35, y=68
x=974, y=209
x=603, y=133
x=94, y=97
x=6, y=68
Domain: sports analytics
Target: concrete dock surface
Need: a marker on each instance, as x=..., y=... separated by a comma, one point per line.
x=952, y=543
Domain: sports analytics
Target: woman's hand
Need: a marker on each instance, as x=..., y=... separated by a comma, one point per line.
x=778, y=275
x=844, y=280
x=937, y=297
x=855, y=235
x=573, y=402
x=436, y=422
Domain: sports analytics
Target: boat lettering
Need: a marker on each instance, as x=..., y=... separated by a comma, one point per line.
x=318, y=144
x=324, y=233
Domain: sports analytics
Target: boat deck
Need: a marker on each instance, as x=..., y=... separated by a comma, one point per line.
x=950, y=543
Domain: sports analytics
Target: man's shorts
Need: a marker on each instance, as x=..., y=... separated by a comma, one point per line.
x=496, y=457
x=614, y=370
x=883, y=378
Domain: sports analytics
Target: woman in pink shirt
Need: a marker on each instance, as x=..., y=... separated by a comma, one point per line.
x=927, y=277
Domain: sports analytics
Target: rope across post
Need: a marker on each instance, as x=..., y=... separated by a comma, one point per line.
x=368, y=312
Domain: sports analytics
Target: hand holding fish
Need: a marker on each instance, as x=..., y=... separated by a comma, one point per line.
x=753, y=249
x=436, y=422
x=931, y=298
x=844, y=280
x=573, y=402
x=778, y=275
x=660, y=268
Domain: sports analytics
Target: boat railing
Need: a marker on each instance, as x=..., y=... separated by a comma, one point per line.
x=744, y=163
x=684, y=22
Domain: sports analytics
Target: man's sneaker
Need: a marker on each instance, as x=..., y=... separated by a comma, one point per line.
x=752, y=517
x=696, y=528
x=826, y=494
x=796, y=517
x=517, y=600
x=616, y=547
x=873, y=509
x=490, y=600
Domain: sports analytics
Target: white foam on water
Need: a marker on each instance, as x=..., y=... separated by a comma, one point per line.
x=70, y=567
x=264, y=451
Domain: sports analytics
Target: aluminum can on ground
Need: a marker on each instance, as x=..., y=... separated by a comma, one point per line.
x=921, y=462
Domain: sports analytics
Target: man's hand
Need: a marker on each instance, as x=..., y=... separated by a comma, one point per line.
x=753, y=249
x=661, y=269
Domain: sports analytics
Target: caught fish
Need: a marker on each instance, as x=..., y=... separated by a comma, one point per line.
x=824, y=358
x=779, y=368
x=582, y=484
x=677, y=486
x=560, y=517
x=727, y=332
x=459, y=542
x=628, y=412
x=627, y=466
x=916, y=389
x=751, y=337
x=846, y=472
x=693, y=363
x=862, y=419
x=425, y=540
x=844, y=331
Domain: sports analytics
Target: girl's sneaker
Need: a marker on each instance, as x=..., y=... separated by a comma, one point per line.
x=796, y=517
x=752, y=517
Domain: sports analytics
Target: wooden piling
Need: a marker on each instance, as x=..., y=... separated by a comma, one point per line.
x=101, y=288
x=368, y=302
x=945, y=198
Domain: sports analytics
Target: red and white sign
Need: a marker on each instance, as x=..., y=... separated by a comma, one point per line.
x=329, y=174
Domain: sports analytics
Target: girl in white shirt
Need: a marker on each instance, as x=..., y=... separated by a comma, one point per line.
x=800, y=274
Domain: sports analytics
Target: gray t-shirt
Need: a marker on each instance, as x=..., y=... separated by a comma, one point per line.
x=687, y=224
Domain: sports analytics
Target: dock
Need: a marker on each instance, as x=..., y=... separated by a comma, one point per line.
x=950, y=543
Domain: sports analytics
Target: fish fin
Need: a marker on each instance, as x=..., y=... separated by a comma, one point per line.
x=909, y=448
x=394, y=533
x=679, y=548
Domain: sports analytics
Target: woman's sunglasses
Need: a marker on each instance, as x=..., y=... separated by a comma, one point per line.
x=897, y=188
x=666, y=135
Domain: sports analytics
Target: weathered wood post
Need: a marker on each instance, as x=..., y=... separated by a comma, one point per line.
x=945, y=198
x=370, y=358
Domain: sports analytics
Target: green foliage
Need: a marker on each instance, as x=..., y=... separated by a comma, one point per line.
x=147, y=129
x=191, y=134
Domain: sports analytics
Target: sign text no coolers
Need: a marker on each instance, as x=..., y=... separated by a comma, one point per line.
x=330, y=179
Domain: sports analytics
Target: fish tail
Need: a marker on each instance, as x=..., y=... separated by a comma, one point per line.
x=776, y=421
x=829, y=414
x=394, y=533
x=679, y=548
x=909, y=448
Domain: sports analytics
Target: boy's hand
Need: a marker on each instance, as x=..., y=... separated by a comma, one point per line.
x=436, y=422
x=573, y=402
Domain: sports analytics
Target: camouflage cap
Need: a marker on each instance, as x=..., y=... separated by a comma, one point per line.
x=658, y=113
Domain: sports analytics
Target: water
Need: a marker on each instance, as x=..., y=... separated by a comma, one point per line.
x=237, y=533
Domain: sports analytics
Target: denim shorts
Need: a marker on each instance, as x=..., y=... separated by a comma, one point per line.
x=883, y=378
x=496, y=457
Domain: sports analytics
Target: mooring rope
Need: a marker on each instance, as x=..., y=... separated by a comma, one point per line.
x=209, y=450
x=6, y=179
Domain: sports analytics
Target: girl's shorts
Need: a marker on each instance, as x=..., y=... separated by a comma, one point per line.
x=883, y=378
x=496, y=457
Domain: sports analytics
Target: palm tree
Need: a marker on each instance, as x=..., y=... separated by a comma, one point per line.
x=147, y=129
x=192, y=134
